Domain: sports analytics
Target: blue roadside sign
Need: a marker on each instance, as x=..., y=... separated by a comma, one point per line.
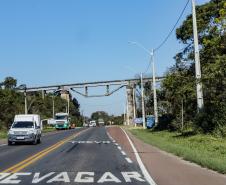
x=138, y=121
x=150, y=121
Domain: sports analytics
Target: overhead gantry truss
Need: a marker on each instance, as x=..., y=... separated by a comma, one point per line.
x=117, y=84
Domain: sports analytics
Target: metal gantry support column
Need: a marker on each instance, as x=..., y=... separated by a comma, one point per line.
x=199, y=91
x=142, y=101
x=53, y=102
x=25, y=102
x=134, y=104
x=130, y=113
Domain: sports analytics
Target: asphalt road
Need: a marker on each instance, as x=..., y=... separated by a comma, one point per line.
x=80, y=156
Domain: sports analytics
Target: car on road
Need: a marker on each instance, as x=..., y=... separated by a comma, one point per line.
x=92, y=123
x=25, y=128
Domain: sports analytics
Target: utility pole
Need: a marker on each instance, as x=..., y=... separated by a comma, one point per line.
x=154, y=89
x=142, y=100
x=25, y=102
x=199, y=90
x=182, y=114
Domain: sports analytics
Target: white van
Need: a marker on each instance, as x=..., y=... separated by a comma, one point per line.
x=25, y=128
x=92, y=123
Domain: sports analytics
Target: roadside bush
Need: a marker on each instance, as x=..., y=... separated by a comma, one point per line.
x=165, y=122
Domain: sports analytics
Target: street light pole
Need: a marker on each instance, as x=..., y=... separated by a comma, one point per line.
x=142, y=100
x=199, y=90
x=154, y=89
x=153, y=79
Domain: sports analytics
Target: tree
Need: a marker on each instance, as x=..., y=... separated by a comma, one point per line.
x=100, y=115
x=180, y=82
x=9, y=82
x=12, y=102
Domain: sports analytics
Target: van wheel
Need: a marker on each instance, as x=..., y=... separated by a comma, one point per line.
x=34, y=142
x=39, y=141
x=10, y=143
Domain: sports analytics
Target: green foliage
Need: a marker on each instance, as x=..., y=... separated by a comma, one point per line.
x=206, y=150
x=117, y=120
x=100, y=115
x=12, y=102
x=179, y=86
x=9, y=82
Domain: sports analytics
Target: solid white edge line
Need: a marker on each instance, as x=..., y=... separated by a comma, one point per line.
x=142, y=167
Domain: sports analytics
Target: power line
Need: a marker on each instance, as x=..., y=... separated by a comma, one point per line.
x=148, y=67
x=171, y=31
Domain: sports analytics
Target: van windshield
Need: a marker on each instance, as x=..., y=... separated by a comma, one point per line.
x=23, y=124
x=60, y=117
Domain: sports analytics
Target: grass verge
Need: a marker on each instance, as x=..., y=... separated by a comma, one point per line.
x=48, y=129
x=3, y=134
x=205, y=150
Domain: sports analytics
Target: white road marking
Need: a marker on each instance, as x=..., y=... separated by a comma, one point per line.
x=13, y=179
x=129, y=160
x=80, y=177
x=90, y=142
x=85, y=177
x=116, y=144
x=3, y=175
x=61, y=177
x=123, y=153
x=119, y=147
x=142, y=167
x=128, y=176
x=108, y=177
x=37, y=178
x=3, y=145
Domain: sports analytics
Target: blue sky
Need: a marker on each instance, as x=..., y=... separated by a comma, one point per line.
x=47, y=42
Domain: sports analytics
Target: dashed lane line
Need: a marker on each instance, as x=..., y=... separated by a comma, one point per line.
x=120, y=149
x=129, y=160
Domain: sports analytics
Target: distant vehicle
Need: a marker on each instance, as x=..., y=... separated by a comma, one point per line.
x=62, y=121
x=51, y=122
x=85, y=124
x=92, y=123
x=48, y=122
x=101, y=122
x=25, y=128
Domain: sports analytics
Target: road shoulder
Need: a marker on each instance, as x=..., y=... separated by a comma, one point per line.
x=165, y=168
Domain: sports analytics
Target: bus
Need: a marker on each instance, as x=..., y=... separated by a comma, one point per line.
x=62, y=121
